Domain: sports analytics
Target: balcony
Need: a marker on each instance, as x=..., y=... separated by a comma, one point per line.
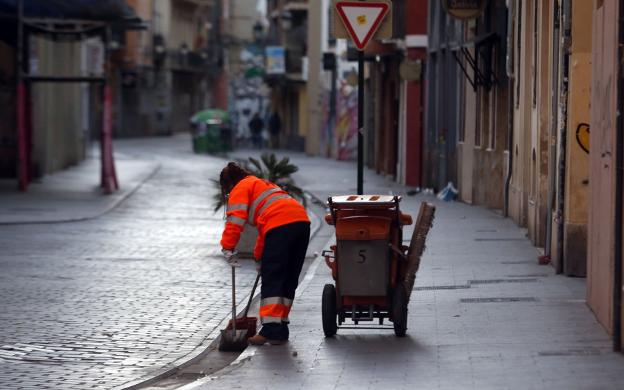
x=296, y=5
x=194, y=61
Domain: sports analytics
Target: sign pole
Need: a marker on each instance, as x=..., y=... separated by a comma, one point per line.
x=361, y=20
x=22, y=147
x=360, y=124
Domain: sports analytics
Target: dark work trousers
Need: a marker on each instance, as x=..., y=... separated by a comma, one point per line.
x=282, y=259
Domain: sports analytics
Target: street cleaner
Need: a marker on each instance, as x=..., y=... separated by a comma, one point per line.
x=283, y=235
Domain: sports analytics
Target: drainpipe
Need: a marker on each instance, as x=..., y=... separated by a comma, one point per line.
x=563, y=103
x=510, y=105
x=552, y=158
x=619, y=158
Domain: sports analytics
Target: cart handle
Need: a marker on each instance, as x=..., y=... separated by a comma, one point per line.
x=399, y=252
x=330, y=260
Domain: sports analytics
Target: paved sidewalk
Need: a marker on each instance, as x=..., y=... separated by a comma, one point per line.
x=73, y=194
x=483, y=315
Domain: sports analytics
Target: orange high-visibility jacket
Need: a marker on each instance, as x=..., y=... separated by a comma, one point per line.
x=261, y=204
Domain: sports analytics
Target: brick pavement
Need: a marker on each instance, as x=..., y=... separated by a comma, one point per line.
x=107, y=301
x=483, y=315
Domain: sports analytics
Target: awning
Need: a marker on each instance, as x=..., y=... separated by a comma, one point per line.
x=480, y=63
x=104, y=10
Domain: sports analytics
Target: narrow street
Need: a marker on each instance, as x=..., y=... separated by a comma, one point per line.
x=118, y=123
x=119, y=299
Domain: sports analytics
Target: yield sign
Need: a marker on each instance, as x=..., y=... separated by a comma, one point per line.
x=361, y=19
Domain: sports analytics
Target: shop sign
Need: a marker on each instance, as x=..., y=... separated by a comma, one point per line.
x=464, y=9
x=275, y=60
x=411, y=70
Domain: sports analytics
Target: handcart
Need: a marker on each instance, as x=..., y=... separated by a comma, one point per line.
x=374, y=272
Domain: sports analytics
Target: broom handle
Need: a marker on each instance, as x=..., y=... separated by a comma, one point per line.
x=253, y=290
x=233, y=299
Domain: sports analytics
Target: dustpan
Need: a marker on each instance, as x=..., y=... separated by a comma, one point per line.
x=234, y=336
x=250, y=324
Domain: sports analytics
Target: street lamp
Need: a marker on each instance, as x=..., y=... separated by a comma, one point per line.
x=184, y=49
x=286, y=20
x=258, y=31
x=160, y=51
x=183, y=54
x=113, y=44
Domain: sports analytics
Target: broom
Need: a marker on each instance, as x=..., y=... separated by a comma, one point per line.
x=417, y=244
x=233, y=340
x=248, y=323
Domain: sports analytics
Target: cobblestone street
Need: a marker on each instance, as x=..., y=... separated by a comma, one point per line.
x=109, y=300
x=460, y=164
x=114, y=300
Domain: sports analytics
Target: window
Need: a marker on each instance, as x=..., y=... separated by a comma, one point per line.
x=518, y=50
x=461, y=138
x=534, y=53
x=478, y=117
x=493, y=104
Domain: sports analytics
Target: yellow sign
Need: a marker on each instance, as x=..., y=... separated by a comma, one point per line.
x=582, y=136
x=361, y=20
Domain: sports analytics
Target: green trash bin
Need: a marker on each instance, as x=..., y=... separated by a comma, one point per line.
x=211, y=131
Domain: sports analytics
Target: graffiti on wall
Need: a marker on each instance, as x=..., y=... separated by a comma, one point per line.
x=346, y=123
x=582, y=136
x=248, y=93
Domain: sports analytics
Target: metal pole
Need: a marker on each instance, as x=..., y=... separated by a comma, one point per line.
x=332, y=108
x=22, y=165
x=360, y=125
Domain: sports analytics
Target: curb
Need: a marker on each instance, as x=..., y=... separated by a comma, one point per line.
x=249, y=353
x=107, y=210
x=195, y=355
x=212, y=338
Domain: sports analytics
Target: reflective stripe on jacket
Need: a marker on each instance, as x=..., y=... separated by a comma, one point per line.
x=262, y=204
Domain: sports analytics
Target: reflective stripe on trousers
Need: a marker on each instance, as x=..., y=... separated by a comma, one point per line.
x=275, y=309
x=274, y=320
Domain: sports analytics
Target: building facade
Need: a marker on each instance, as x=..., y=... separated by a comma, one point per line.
x=317, y=94
x=443, y=103
x=522, y=113
x=52, y=93
x=394, y=78
x=605, y=227
x=289, y=30
x=170, y=70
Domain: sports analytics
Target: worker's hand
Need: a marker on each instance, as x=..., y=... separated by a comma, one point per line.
x=259, y=266
x=230, y=256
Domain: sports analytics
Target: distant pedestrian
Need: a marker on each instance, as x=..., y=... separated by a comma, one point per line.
x=275, y=127
x=256, y=125
x=283, y=234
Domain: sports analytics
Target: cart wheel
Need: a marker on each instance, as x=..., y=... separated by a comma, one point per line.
x=329, y=310
x=399, y=311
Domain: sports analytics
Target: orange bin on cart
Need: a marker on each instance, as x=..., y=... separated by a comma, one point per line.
x=368, y=264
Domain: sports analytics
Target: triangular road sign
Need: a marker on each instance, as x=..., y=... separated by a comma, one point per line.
x=362, y=19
